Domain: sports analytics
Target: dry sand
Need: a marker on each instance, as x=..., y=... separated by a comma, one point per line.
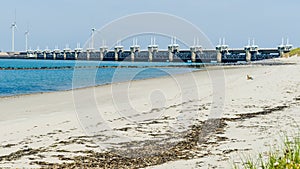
x=206, y=119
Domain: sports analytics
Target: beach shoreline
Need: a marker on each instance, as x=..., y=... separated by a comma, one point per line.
x=203, y=67
x=48, y=129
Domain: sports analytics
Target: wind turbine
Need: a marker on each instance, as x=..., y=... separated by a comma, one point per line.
x=13, y=28
x=93, y=31
x=26, y=40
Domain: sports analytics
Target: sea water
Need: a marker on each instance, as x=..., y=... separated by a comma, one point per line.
x=19, y=76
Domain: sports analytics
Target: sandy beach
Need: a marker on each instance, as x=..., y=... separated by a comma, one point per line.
x=212, y=118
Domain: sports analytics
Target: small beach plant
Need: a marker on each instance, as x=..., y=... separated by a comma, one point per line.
x=286, y=158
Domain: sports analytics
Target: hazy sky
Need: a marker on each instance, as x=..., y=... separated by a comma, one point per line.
x=60, y=22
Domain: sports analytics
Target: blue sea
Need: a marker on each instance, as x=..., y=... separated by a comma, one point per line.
x=35, y=76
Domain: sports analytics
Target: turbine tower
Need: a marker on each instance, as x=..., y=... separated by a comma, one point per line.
x=93, y=31
x=26, y=40
x=13, y=28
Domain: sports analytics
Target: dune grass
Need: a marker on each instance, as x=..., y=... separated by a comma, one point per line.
x=286, y=158
x=294, y=52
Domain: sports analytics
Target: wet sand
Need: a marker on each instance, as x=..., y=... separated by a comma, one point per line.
x=205, y=119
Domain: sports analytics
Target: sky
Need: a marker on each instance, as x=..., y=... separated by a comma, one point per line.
x=59, y=22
